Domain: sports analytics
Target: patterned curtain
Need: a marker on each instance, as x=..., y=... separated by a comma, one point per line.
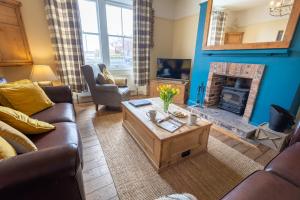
x=217, y=25
x=65, y=29
x=143, y=20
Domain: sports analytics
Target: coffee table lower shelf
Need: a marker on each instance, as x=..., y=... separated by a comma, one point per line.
x=165, y=152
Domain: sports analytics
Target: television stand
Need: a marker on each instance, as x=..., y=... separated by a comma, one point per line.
x=183, y=86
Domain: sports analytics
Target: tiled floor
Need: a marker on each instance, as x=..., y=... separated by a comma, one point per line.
x=97, y=178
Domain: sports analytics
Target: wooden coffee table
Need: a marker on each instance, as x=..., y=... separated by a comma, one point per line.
x=160, y=146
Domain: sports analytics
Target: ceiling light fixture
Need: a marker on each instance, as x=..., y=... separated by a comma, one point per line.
x=279, y=8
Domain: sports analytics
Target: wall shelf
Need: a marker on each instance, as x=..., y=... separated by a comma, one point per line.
x=256, y=52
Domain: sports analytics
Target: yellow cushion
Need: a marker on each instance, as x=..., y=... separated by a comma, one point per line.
x=3, y=100
x=18, y=140
x=120, y=81
x=22, y=122
x=108, y=77
x=6, y=150
x=27, y=98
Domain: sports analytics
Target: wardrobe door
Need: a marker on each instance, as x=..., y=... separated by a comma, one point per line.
x=14, y=49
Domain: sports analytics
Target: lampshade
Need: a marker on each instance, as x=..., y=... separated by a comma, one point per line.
x=42, y=73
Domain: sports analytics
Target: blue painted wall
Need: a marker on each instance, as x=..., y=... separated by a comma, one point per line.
x=281, y=80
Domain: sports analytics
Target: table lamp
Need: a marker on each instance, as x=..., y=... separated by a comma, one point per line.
x=42, y=74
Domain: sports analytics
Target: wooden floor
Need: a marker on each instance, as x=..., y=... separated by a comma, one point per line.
x=97, y=179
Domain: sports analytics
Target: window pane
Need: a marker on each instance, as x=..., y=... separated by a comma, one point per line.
x=114, y=24
x=91, y=47
x=128, y=51
x=88, y=15
x=127, y=22
x=116, y=52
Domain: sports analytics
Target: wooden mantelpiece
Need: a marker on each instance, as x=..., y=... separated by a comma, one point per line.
x=183, y=86
x=14, y=48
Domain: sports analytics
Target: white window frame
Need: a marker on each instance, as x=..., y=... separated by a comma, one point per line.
x=103, y=32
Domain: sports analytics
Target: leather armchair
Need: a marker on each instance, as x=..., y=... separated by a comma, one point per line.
x=104, y=94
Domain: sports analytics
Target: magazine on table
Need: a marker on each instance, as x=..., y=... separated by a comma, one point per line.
x=170, y=124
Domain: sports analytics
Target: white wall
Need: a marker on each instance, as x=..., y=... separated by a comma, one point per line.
x=36, y=28
x=256, y=23
x=186, y=8
x=164, y=8
x=256, y=15
x=175, y=30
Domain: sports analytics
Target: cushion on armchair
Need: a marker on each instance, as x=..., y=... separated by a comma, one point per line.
x=121, y=81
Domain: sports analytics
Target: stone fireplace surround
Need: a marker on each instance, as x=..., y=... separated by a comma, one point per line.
x=217, y=76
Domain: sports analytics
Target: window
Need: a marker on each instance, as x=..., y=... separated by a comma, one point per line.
x=107, y=28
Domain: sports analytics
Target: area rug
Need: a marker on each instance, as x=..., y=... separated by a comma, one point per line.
x=208, y=176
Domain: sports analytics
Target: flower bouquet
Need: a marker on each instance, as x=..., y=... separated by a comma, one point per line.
x=167, y=93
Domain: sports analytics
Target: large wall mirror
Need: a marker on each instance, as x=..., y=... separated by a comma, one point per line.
x=250, y=24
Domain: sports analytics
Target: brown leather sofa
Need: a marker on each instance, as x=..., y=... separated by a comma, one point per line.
x=280, y=180
x=55, y=170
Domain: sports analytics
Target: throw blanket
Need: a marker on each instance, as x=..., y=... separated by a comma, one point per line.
x=184, y=196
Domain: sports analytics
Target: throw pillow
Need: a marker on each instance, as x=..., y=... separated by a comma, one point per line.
x=121, y=82
x=3, y=100
x=108, y=77
x=100, y=79
x=6, y=150
x=22, y=122
x=27, y=98
x=18, y=140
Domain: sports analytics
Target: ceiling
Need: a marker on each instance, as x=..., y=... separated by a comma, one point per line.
x=239, y=4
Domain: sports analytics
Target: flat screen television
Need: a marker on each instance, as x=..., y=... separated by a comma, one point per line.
x=173, y=68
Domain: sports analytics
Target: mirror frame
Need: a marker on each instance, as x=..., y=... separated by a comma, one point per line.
x=285, y=43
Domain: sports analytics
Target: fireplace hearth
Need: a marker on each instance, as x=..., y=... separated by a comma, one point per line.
x=230, y=96
x=233, y=87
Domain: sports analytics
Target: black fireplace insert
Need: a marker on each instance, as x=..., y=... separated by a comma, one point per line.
x=234, y=99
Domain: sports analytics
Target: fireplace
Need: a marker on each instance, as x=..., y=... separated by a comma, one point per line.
x=233, y=87
x=234, y=95
x=234, y=99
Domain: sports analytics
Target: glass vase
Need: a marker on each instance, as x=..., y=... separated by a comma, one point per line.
x=166, y=106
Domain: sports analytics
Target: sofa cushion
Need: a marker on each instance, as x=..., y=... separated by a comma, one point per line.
x=20, y=142
x=3, y=100
x=35, y=98
x=262, y=186
x=22, y=122
x=6, y=150
x=60, y=112
x=65, y=133
x=287, y=164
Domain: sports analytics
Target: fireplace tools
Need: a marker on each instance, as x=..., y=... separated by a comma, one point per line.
x=200, y=95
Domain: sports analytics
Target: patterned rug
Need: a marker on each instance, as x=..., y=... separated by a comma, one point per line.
x=207, y=176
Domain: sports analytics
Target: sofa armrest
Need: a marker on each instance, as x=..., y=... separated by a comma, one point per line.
x=59, y=94
x=107, y=88
x=296, y=135
x=47, y=163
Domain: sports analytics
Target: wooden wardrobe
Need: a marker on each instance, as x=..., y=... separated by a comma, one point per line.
x=14, y=49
